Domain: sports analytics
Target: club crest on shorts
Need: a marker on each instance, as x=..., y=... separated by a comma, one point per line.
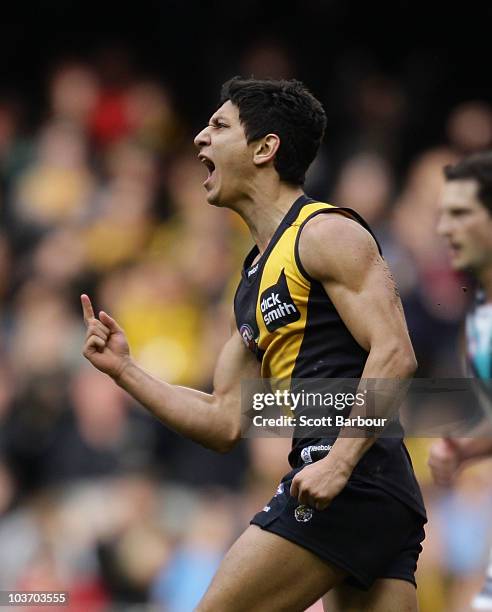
x=303, y=514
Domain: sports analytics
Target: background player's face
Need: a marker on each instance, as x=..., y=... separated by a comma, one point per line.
x=466, y=224
x=227, y=155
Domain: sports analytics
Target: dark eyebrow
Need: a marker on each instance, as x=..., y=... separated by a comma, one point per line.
x=217, y=118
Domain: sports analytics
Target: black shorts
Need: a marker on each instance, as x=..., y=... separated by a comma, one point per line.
x=365, y=531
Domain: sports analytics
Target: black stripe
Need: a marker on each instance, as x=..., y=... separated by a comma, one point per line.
x=328, y=349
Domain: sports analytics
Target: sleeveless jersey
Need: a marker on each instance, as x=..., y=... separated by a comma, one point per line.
x=478, y=329
x=287, y=319
x=478, y=332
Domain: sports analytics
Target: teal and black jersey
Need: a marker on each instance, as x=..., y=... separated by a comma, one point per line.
x=478, y=353
x=288, y=320
x=478, y=330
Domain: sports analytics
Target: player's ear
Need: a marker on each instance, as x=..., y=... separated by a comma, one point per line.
x=265, y=149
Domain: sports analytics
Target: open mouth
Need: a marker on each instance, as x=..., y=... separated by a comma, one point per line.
x=209, y=164
x=455, y=251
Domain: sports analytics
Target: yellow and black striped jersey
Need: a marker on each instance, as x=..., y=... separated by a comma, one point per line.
x=285, y=316
x=287, y=319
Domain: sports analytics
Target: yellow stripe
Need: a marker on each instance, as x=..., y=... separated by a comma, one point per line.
x=309, y=209
x=283, y=345
x=304, y=213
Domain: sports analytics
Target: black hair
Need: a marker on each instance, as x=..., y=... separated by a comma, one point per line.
x=479, y=168
x=285, y=108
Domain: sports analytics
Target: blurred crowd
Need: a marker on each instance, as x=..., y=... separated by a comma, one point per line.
x=104, y=195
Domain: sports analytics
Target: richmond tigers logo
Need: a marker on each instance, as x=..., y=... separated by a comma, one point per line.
x=248, y=336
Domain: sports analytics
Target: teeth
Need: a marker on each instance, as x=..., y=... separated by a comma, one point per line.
x=208, y=163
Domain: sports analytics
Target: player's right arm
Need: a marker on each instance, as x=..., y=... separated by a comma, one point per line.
x=213, y=420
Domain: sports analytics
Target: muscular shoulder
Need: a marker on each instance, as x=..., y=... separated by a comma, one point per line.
x=333, y=245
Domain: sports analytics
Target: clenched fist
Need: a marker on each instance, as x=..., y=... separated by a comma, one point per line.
x=105, y=345
x=316, y=485
x=445, y=459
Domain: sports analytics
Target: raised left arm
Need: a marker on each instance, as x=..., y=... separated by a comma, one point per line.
x=343, y=256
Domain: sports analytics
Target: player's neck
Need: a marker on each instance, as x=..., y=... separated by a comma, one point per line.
x=485, y=280
x=265, y=208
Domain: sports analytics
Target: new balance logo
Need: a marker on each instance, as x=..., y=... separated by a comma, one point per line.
x=277, y=306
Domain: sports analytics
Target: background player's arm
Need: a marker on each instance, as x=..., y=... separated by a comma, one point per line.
x=448, y=455
x=212, y=420
x=343, y=256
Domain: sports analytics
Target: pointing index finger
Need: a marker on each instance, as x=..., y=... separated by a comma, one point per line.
x=87, y=308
